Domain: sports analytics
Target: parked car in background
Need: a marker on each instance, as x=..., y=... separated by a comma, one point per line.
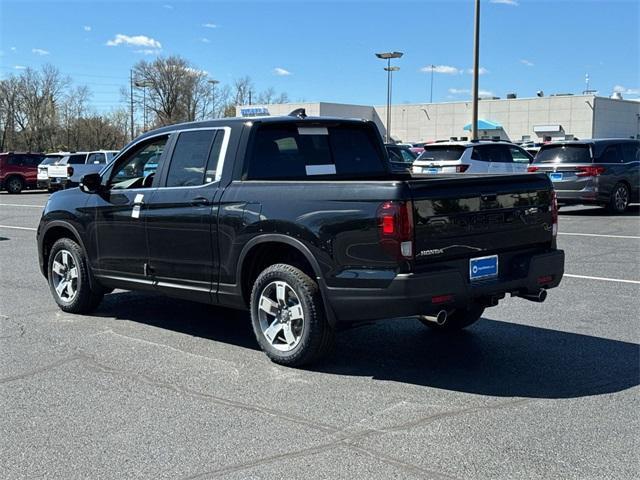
x=19, y=170
x=69, y=169
x=472, y=157
x=43, y=168
x=592, y=172
x=400, y=157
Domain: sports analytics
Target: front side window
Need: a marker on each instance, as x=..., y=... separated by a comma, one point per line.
x=137, y=169
x=519, y=156
x=190, y=159
x=407, y=156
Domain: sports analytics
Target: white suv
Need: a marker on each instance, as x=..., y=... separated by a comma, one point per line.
x=472, y=157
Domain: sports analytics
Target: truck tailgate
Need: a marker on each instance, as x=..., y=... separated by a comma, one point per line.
x=473, y=215
x=57, y=171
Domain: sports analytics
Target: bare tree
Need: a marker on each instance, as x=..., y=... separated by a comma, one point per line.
x=176, y=91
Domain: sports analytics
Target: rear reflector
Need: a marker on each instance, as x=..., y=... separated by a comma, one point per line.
x=545, y=279
x=462, y=168
x=533, y=169
x=442, y=299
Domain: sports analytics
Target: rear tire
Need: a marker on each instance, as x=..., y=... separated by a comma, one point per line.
x=15, y=185
x=458, y=319
x=619, y=200
x=288, y=318
x=68, y=275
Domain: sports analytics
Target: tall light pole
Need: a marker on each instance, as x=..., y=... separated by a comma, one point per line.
x=213, y=82
x=388, y=56
x=431, y=95
x=476, y=64
x=131, y=100
x=143, y=85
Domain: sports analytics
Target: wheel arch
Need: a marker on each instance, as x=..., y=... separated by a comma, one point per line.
x=54, y=231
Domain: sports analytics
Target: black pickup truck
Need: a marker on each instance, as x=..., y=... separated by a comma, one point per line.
x=301, y=221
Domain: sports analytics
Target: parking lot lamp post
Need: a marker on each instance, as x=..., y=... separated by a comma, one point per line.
x=143, y=85
x=476, y=63
x=388, y=56
x=431, y=94
x=213, y=82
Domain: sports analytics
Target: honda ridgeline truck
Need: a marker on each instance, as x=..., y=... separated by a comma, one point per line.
x=301, y=221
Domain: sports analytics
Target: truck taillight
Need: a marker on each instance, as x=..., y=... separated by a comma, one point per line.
x=589, y=171
x=462, y=168
x=395, y=227
x=532, y=169
x=554, y=213
x=69, y=171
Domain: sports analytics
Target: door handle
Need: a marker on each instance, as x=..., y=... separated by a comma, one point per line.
x=200, y=202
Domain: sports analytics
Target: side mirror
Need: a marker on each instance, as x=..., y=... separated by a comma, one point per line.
x=91, y=183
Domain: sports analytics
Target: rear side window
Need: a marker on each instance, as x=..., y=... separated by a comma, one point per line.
x=442, y=152
x=76, y=159
x=631, y=152
x=564, y=154
x=97, y=157
x=190, y=158
x=611, y=154
x=291, y=152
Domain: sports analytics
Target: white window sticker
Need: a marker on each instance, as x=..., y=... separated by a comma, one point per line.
x=312, y=131
x=138, y=198
x=329, y=169
x=135, y=213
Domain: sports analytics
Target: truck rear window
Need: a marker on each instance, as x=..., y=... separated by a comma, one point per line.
x=289, y=152
x=564, y=154
x=442, y=152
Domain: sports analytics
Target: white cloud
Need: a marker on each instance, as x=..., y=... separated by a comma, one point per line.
x=505, y=2
x=526, y=62
x=281, y=72
x=19, y=67
x=446, y=69
x=135, y=41
x=167, y=6
x=205, y=40
x=626, y=91
x=148, y=51
x=485, y=93
x=481, y=71
x=87, y=28
x=13, y=49
x=209, y=25
x=39, y=51
x=459, y=91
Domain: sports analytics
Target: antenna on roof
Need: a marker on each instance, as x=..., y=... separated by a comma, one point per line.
x=299, y=112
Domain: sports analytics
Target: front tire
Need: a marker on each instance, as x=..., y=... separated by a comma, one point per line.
x=68, y=274
x=15, y=185
x=619, y=200
x=288, y=318
x=458, y=319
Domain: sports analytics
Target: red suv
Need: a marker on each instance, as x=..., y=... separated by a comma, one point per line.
x=19, y=171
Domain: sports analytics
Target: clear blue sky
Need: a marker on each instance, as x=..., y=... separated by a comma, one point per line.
x=325, y=50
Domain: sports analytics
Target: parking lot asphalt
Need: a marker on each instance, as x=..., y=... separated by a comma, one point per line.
x=150, y=387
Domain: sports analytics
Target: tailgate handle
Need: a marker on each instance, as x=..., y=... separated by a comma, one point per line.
x=489, y=197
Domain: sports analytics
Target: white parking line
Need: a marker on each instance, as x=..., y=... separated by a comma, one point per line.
x=19, y=228
x=599, y=235
x=20, y=205
x=604, y=279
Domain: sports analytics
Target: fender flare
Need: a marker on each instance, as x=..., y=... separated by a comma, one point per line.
x=303, y=249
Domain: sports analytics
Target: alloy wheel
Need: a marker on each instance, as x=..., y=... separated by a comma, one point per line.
x=281, y=316
x=65, y=276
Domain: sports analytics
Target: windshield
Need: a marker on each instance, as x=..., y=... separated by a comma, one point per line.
x=441, y=152
x=564, y=154
x=49, y=159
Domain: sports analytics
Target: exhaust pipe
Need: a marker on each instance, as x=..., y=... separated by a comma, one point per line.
x=440, y=318
x=539, y=297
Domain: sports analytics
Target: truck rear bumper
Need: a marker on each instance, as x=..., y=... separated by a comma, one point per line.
x=418, y=294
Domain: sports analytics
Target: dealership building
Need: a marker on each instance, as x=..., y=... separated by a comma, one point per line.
x=516, y=119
